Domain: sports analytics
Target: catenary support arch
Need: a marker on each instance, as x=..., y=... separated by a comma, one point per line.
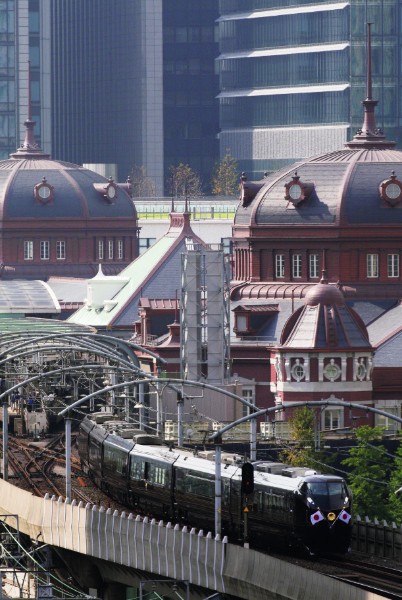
x=217, y=437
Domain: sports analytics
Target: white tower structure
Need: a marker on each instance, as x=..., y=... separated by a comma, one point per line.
x=205, y=314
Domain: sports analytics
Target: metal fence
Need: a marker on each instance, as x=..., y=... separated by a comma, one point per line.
x=375, y=538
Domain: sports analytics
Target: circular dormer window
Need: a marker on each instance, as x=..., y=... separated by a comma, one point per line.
x=391, y=190
x=361, y=370
x=332, y=371
x=298, y=371
x=44, y=192
x=296, y=191
x=111, y=190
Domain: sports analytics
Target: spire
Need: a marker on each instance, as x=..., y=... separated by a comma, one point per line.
x=369, y=136
x=29, y=148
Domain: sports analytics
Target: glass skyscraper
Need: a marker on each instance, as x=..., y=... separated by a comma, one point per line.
x=292, y=76
x=157, y=82
x=126, y=82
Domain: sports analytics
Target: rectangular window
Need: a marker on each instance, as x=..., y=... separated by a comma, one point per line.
x=145, y=243
x=61, y=250
x=333, y=419
x=100, y=249
x=314, y=265
x=393, y=265
x=110, y=249
x=120, y=254
x=247, y=394
x=280, y=265
x=44, y=250
x=28, y=250
x=296, y=265
x=372, y=265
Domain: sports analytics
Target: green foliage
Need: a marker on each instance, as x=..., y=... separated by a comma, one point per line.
x=395, y=501
x=369, y=468
x=302, y=427
x=184, y=181
x=225, y=179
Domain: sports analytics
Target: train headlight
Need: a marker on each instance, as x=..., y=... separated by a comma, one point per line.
x=331, y=516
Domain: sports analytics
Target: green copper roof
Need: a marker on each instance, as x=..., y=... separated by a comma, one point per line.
x=33, y=326
x=138, y=272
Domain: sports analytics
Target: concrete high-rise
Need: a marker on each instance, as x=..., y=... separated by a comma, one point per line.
x=292, y=76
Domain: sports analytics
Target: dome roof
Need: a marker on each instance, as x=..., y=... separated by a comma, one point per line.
x=360, y=185
x=345, y=189
x=325, y=322
x=33, y=186
x=325, y=294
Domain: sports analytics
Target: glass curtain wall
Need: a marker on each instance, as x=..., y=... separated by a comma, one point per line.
x=288, y=66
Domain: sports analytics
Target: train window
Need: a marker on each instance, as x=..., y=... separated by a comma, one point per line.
x=115, y=460
x=137, y=469
x=199, y=486
x=94, y=452
x=225, y=491
x=327, y=495
x=157, y=474
x=181, y=477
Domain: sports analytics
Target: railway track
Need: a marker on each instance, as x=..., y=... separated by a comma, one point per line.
x=380, y=579
x=40, y=469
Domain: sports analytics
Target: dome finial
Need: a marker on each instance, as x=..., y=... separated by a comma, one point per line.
x=29, y=148
x=324, y=276
x=369, y=136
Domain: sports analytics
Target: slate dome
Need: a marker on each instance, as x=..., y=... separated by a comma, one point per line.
x=60, y=219
x=73, y=191
x=359, y=185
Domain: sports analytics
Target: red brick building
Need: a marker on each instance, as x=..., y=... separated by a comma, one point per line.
x=341, y=212
x=61, y=219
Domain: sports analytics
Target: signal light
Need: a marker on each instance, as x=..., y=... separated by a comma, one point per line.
x=247, y=478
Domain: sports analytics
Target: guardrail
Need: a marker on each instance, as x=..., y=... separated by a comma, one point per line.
x=375, y=538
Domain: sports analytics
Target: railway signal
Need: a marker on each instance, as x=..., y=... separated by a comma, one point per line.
x=247, y=479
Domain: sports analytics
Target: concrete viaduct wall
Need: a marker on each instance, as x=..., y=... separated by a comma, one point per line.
x=166, y=551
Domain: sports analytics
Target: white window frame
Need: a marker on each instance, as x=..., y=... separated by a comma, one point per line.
x=314, y=265
x=372, y=266
x=298, y=370
x=296, y=266
x=28, y=250
x=110, y=249
x=241, y=323
x=332, y=418
x=120, y=247
x=45, y=250
x=101, y=250
x=393, y=265
x=60, y=250
x=279, y=266
x=248, y=394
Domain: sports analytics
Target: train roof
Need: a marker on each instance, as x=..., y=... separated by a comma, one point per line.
x=275, y=474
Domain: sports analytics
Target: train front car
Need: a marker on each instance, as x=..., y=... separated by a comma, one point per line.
x=323, y=519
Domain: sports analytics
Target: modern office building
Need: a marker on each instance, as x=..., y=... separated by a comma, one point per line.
x=292, y=76
x=112, y=83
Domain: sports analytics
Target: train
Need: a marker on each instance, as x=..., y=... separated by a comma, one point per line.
x=289, y=506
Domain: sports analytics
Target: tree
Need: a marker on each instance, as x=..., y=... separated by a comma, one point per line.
x=302, y=430
x=395, y=483
x=184, y=181
x=225, y=180
x=369, y=469
x=142, y=185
